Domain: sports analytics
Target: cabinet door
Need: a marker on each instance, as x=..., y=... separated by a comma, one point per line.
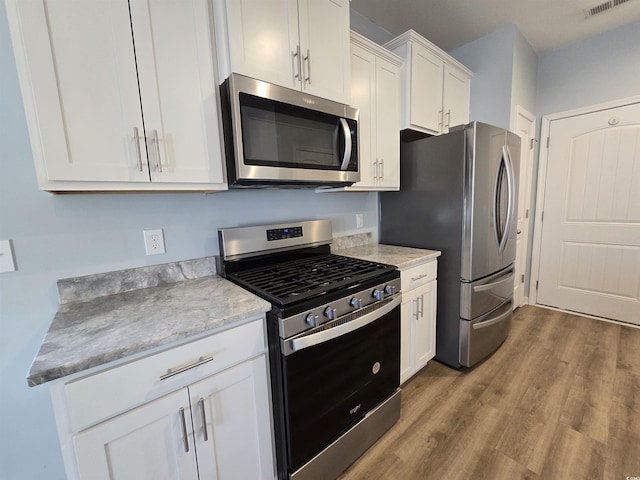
x=178, y=89
x=387, y=134
x=406, y=344
x=263, y=39
x=456, y=93
x=324, y=45
x=234, y=408
x=363, y=96
x=424, y=323
x=426, y=89
x=145, y=443
x=78, y=75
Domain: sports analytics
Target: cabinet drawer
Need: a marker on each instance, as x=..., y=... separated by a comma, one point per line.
x=416, y=276
x=97, y=397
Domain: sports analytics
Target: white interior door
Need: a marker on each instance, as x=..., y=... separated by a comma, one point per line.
x=590, y=245
x=525, y=127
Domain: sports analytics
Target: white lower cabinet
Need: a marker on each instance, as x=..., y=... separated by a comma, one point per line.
x=145, y=443
x=212, y=419
x=418, y=318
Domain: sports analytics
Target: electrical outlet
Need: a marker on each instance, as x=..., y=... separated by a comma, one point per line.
x=359, y=220
x=154, y=241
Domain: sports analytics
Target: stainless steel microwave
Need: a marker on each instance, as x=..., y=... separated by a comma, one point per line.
x=279, y=136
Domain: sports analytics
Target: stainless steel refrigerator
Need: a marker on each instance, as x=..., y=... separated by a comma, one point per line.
x=458, y=194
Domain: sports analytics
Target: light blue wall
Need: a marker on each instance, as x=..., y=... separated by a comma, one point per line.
x=58, y=236
x=491, y=60
x=596, y=70
x=365, y=27
x=525, y=70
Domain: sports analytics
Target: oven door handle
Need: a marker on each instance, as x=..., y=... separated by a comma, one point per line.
x=307, y=341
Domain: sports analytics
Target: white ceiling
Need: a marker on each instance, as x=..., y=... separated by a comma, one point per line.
x=546, y=24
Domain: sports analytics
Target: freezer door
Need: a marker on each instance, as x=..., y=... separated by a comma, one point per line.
x=482, y=296
x=481, y=337
x=489, y=231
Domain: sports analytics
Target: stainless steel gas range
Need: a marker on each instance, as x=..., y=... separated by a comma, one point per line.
x=334, y=342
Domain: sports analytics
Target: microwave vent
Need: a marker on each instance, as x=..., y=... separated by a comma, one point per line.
x=603, y=7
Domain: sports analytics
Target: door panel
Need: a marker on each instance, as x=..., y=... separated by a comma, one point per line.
x=426, y=89
x=482, y=296
x=481, y=254
x=590, y=252
x=238, y=428
x=481, y=337
x=145, y=443
x=177, y=82
x=525, y=128
x=86, y=116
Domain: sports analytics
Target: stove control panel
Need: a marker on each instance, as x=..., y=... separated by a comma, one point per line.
x=282, y=233
x=335, y=309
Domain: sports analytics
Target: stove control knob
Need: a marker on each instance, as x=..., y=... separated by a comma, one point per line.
x=390, y=289
x=330, y=313
x=377, y=294
x=312, y=320
x=356, y=302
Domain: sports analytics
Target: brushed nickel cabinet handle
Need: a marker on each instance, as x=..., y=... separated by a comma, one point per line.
x=184, y=430
x=175, y=371
x=448, y=118
x=136, y=137
x=204, y=419
x=308, y=59
x=157, y=143
x=296, y=63
x=441, y=115
x=419, y=277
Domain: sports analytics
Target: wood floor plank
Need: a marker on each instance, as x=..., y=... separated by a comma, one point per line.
x=574, y=455
x=589, y=403
x=559, y=400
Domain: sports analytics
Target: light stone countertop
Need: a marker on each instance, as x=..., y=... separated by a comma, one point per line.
x=89, y=333
x=401, y=257
x=107, y=317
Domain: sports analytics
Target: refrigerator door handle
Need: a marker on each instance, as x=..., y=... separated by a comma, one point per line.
x=492, y=285
x=493, y=321
x=503, y=236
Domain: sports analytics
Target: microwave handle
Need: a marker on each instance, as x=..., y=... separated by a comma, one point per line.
x=347, y=144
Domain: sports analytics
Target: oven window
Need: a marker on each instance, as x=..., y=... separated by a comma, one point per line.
x=329, y=387
x=280, y=135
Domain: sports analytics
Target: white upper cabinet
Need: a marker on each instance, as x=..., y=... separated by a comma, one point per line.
x=436, y=87
x=301, y=44
x=375, y=92
x=119, y=95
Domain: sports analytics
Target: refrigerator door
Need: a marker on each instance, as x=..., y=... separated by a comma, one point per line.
x=481, y=337
x=491, y=177
x=482, y=296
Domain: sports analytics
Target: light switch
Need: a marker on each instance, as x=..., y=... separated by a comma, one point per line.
x=7, y=264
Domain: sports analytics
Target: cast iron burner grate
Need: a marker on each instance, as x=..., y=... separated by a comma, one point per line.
x=289, y=282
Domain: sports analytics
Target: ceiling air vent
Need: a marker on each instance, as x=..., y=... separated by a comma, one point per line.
x=603, y=7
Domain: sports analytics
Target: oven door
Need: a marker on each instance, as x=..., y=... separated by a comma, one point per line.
x=336, y=373
x=276, y=135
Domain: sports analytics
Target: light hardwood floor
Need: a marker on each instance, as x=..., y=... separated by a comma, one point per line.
x=560, y=400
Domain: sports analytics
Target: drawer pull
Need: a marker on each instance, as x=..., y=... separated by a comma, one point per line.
x=203, y=410
x=183, y=421
x=171, y=372
x=419, y=277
